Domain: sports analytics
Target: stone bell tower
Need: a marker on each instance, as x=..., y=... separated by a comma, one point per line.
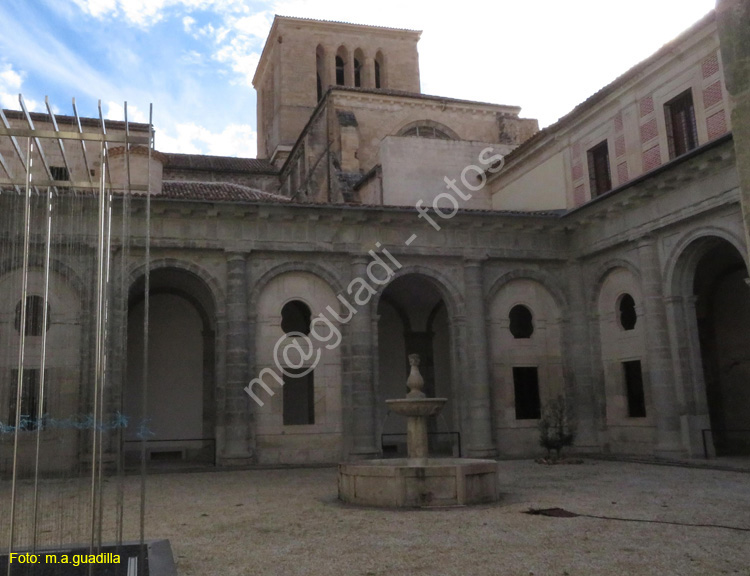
x=303, y=58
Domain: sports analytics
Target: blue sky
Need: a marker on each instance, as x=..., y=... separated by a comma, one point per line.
x=194, y=59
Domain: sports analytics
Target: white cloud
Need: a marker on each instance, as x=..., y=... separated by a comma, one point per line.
x=187, y=23
x=11, y=85
x=116, y=111
x=144, y=13
x=190, y=138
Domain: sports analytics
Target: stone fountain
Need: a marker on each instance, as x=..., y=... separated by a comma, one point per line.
x=418, y=480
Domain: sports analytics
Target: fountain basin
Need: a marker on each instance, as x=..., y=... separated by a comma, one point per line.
x=424, y=482
x=416, y=406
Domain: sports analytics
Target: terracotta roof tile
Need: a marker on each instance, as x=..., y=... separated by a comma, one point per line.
x=215, y=191
x=218, y=163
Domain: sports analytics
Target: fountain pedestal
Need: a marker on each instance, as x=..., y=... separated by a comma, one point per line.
x=418, y=480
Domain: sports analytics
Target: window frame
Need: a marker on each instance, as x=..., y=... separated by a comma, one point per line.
x=635, y=389
x=294, y=381
x=682, y=132
x=598, y=158
x=523, y=394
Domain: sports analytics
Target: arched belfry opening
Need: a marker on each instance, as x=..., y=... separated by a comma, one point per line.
x=180, y=420
x=342, y=66
x=413, y=318
x=722, y=308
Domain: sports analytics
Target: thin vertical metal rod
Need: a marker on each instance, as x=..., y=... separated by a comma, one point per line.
x=39, y=148
x=60, y=143
x=42, y=369
x=123, y=310
x=83, y=143
x=146, y=306
x=98, y=350
x=105, y=362
x=103, y=261
x=21, y=343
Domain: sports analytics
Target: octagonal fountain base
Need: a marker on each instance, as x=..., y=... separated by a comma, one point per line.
x=405, y=483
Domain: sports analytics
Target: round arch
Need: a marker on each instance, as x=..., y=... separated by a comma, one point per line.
x=603, y=272
x=687, y=252
x=542, y=278
x=431, y=127
x=186, y=312
x=323, y=272
x=706, y=284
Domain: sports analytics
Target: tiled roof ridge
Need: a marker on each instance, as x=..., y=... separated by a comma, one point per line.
x=182, y=161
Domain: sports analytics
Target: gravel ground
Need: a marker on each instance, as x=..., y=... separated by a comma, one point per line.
x=289, y=523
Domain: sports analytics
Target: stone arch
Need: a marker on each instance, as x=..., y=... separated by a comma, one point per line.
x=186, y=337
x=451, y=294
x=323, y=272
x=710, y=307
x=303, y=407
x=56, y=265
x=360, y=69
x=436, y=129
x=602, y=273
x=678, y=270
x=217, y=293
x=525, y=372
x=624, y=360
x=542, y=278
x=342, y=66
x=418, y=312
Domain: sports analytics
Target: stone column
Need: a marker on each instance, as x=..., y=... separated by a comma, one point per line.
x=236, y=416
x=349, y=69
x=691, y=390
x=360, y=376
x=578, y=355
x=733, y=20
x=661, y=370
x=476, y=374
x=368, y=73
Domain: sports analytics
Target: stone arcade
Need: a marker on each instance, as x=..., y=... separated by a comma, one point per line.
x=605, y=259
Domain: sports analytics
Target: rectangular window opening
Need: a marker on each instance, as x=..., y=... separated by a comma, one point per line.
x=299, y=398
x=682, y=132
x=29, y=399
x=634, y=389
x=526, y=387
x=600, y=176
x=59, y=173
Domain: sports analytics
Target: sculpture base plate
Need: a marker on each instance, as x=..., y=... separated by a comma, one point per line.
x=426, y=482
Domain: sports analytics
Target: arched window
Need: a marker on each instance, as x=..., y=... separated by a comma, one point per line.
x=426, y=132
x=34, y=316
x=295, y=317
x=357, y=73
x=521, y=321
x=628, y=315
x=428, y=129
x=359, y=68
x=379, y=70
x=339, y=71
x=342, y=66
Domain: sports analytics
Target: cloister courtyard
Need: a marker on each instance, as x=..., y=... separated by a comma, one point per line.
x=633, y=518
